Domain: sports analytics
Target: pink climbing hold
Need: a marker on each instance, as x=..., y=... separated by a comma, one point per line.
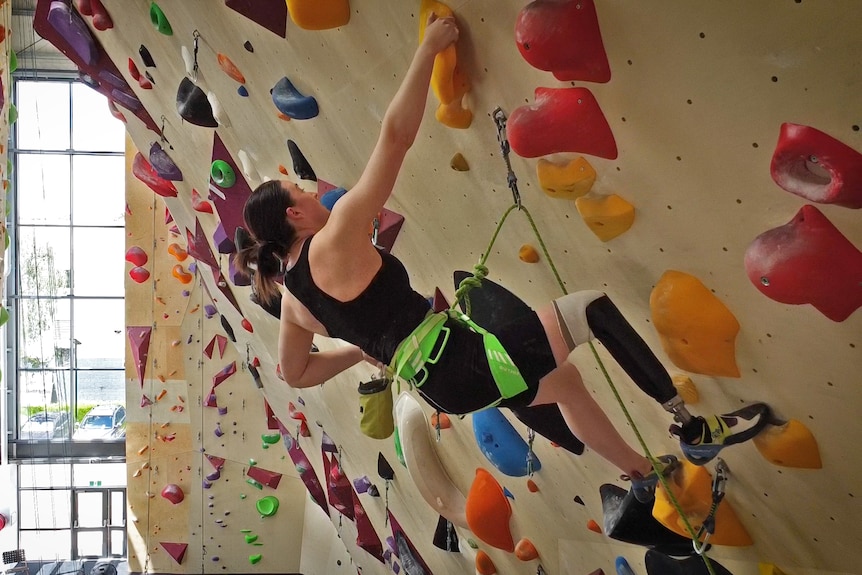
x=561, y=120
x=807, y=260
x=136, y=255
x=173, y=493
x=563, y=37
x=225, y=373
x=139, y=274
x=816, y=166
x=139, y=342
x=176, y=550
x=145, y=172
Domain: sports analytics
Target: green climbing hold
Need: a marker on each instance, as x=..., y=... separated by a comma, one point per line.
x=4, y=314
x=159, y=20
x=13, y=61
x=255, y=559
x=254, y=483
x=242, y=495
x=271, y=438
x=222, y=174
x=267, y=506
x=250, y=538
x=13, y=114
x=472, y=543
x=252, y=462
x=398, y=451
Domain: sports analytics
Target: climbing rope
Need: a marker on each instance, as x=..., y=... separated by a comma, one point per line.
x=480, y=271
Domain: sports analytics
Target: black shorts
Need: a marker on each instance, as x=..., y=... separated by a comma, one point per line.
x=461, y=382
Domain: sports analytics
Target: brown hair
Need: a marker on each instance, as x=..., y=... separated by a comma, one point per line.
x=266, y=222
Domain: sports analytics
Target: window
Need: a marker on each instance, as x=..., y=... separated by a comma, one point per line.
x=66, y=332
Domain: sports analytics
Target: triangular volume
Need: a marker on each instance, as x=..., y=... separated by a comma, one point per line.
x=407, y=552
x=439, y=303
x=389, y=225
x=139, y=341
x=628, y=520
x=216, y=462
x=175, y=550
x=199, y=247
x=208, y=350
x=338, y=487
x=229, y=202
x=271, y=14
x=264, y=476
x=221, y=341
x=366, y=536
x=224, y=288
x=225, y=373
x=305, y=470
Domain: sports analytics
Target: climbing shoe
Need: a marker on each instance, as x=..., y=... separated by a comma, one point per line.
x=643, y=486
x=702, y=438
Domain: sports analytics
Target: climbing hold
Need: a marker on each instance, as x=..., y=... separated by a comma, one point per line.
x=222, y=174
x=247, y=325
x=441, y=420
x=199, y=204
x=181, y=274
x=301, y=167
x=384, y=470
x=248, y=46
x=159, y=20
x=146, y=57
x=178, y=252
x=250, y=538
x=139, y=274
x=692, y=488
x=488, y=512
x=532, y=487
x=685, y=388
x=193, y=106
x=242, y=91
x=484, y=564
x=101, y=19
x=173, y=493
x=563, y=37
x=790, y=444
x=561, y=120
x=566, y=181
x=163, y=164
x=816, y=166
x=606, y=216
x=622, y=566
x=267, y=506
x=133, y=70
x=291, y=102
x=229, y=68
x=329, y=198
x=627, y=519
x=136, y=256
x=176, y=550
x=697, y=331
x=768, y=569
x=255, y=559
x=528, y=254
x=72, y=28
x=502, y=445
x=807, y=260
x=145, y=172
x=459, y=163
x=525, y=550
x=448, y=80
x=319, y=14
x=594, y=527
x=218, y=112
x=112, y=107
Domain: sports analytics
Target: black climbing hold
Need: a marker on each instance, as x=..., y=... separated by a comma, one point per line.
x=445, y=537
x=228, y=329
x=384, y=470
x=248, y=46
x=193, y=106
x=300, y=165
x=146, y=57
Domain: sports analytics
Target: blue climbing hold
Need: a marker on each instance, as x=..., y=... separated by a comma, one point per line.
x=329, y=198
x=292, y=103
x=502, y=444
x=623, y=567
x=242, y=91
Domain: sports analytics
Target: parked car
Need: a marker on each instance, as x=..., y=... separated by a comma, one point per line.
x=46, y=425
x=102, y=422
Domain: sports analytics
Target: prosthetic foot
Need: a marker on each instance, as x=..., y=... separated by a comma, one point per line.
x=702, y=438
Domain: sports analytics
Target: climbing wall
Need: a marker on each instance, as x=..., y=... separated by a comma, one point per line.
x=721, y=220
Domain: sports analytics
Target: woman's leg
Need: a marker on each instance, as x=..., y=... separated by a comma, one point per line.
x=565, y=387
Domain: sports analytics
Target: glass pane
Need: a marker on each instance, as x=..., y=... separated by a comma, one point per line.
x=45, y=475
x=46, y=509
x=90, y=510
x=93, y=127
x=118, y=543
x=43, y=189
x=99, y=190
x=43, y=115
x=44, y=261
x=99, y=262
x=100, y=474
x=118, y=508
x=100, y=330
x=47, y=545
x=91, y=543
x=46, y=421
x=44, y=333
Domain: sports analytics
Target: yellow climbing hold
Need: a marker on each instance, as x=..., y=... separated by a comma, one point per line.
x=459, y=163
x=566, y=181
x=768, y=569
x=448, y=81
x=686, y=388
x=607, y=216
x=790, y=445
x=697, y=331
x=319, y=14
x=692, y=487
x=528, y=254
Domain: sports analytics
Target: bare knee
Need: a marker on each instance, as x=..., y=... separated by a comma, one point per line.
x=562, y=385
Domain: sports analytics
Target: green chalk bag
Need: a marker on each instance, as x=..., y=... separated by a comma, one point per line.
x=375, y=407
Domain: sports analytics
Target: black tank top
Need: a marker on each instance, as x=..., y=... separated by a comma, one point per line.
x=376, y=320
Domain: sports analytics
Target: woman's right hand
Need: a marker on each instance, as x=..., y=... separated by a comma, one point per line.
x=440, y=33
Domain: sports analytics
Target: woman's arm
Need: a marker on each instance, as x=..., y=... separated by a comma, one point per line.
x=354, y=212
x=300, y=368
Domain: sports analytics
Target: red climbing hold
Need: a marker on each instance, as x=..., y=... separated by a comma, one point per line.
x=563, y=37
x=145, y=172
x=139, y=274
x=136, y=256
x=561, y=120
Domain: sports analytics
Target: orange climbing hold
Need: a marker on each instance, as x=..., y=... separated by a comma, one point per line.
x=282, y=169
x=448, y=80
x=440, y=419
x=319, y=14
x=525, y=550
x=484, y=564
x=692, y=488
x=488, y=512
x=178, y=252
x=594, y=527
x=229, y=68
x=791, y=445
x=566, y=181
x=181, y=274
x=697, y=331
x=528, y=254
x=606, y=216
x=531, y=486
x=768, y=569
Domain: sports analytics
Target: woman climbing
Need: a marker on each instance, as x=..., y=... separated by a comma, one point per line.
x=339, y=285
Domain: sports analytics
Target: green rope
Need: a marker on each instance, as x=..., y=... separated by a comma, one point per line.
x=480, y=271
